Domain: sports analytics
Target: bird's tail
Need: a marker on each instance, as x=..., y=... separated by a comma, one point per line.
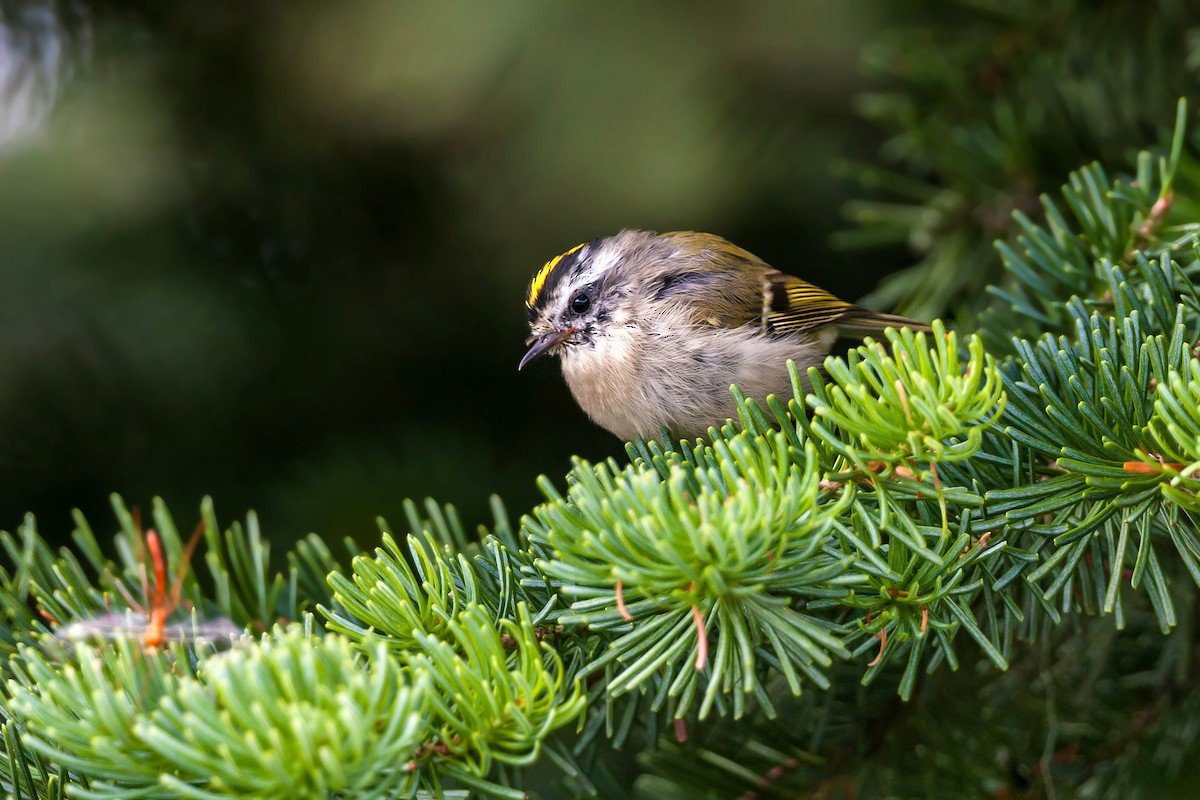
x=859, y=322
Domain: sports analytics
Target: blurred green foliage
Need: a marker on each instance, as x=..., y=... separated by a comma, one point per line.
x=275, y=252
x=988, y=103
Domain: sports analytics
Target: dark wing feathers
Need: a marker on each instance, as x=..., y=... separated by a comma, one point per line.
x=793, y=305
x=775, y=302
x=796, y=306
x=786, y=305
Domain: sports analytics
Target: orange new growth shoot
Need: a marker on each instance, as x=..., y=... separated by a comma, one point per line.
x=155, y=631
x=624, y=612
x=1145, y=468
x=882, y=636
x=160, y=609
x=701, y=639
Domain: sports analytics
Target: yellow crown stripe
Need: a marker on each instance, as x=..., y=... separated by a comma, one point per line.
x=539, y=281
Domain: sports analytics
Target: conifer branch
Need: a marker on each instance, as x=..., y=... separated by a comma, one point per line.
x=936, y=498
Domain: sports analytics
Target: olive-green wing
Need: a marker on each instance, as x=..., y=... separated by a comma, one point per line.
x=797, y=306
x=791, y=305
x=735, y=288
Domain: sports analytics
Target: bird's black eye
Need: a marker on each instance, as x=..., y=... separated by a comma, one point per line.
x=581, y=303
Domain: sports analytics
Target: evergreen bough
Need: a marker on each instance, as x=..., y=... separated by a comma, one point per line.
x=743, y=605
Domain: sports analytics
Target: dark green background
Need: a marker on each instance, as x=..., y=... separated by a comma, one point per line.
x=276, y=253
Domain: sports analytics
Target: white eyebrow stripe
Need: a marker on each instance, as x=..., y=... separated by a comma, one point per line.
x=600, y=263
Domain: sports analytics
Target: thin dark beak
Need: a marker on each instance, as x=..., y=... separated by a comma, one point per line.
x=542, y=344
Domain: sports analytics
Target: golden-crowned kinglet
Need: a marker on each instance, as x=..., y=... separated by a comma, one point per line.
x=653, y=328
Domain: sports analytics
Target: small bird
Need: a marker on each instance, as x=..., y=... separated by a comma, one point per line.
x=652, y=328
